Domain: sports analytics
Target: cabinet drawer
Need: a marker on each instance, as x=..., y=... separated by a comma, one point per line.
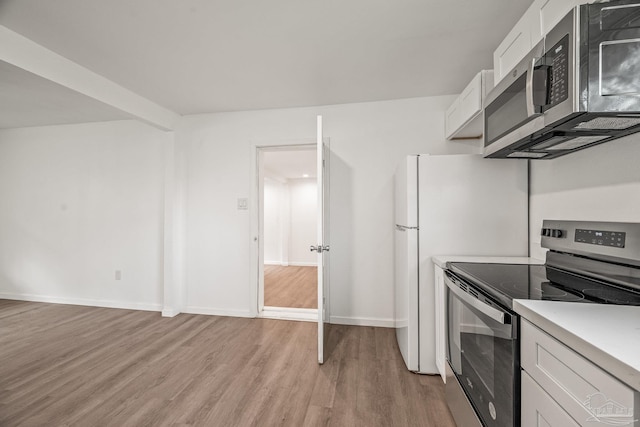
x=539, y=409
x=581, y=388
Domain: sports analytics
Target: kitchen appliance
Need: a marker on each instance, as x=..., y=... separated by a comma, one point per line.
x=578, y=87
x=588, y=262
x=449, y=204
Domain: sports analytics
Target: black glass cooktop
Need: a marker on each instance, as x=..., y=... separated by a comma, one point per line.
x=506, y=282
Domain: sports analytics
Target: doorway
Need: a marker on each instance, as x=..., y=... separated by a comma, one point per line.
x=289, y=204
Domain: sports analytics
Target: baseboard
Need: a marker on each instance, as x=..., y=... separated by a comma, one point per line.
x=217, y=311
x=287, y=313
x=170, y=312
x=295, y=264
x=82, y=301
x=363, y=321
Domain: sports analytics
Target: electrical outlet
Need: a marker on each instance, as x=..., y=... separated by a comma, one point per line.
x=118, y=275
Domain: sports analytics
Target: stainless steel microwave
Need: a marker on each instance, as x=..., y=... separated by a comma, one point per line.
x=578, y=87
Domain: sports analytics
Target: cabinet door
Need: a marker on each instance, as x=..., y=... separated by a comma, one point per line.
x=550, y=12
x=581, y=388
x=471, y=98
x=515, y=46
x=538, y=409
x=441, y=322
x=463, y=116
x=452, y=118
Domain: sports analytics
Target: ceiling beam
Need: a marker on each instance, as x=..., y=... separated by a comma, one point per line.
x=21, y=52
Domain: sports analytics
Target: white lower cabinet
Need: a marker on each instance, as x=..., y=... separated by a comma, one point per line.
x=562, y=388
x=538, y=409
x=441, y=321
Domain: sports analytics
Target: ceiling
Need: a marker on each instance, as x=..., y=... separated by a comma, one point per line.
x=290, y=164
x=200, y=56
x=28, y=99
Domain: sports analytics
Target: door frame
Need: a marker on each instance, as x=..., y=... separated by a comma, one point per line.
x=256, y=293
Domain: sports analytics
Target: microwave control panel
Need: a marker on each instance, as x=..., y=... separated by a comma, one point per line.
x=557, y=58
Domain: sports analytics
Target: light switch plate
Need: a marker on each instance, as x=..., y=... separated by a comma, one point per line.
x=243, y=204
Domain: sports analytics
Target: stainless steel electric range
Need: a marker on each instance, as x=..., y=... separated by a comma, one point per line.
x=587, y=262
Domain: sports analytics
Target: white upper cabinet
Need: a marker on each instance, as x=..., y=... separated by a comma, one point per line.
x=463, y=118
x=541, y=17
x=550, y=12
x=515, y=46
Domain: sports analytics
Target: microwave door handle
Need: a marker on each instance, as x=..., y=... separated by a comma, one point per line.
x=531, y=108
x=497, y=315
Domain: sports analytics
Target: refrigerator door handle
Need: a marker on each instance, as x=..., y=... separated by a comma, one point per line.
x=404, y=227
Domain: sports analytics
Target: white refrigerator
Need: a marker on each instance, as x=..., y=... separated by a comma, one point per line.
x=449, y=205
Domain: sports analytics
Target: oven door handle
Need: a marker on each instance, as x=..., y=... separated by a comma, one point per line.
x=497, y=315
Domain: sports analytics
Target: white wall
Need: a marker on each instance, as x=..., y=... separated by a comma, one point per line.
x=290, y=221
x=81, y=201
x=598, y=184
x=304, y=221
x=367, y=141
x=275, y=196
x=78, y=203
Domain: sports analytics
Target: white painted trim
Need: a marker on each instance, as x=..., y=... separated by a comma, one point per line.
x=23, y=53
x=170, y=313
x=256, y=287
x=82, y=301
x=295, y=264
x=289, y=313
x=363, y=321
x=218, y=311
x=304, y=264
x=285, y=221
x=172, y=256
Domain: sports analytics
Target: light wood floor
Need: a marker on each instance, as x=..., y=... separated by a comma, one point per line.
x=291, y=286
x=87, y=366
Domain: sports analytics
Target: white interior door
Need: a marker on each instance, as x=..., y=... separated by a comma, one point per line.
x=322, y=247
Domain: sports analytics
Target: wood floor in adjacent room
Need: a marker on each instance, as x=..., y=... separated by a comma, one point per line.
x=63, y=365
x=290, y=286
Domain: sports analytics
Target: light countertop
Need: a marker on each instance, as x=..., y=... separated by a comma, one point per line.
x=607, y=335
x=441, y=260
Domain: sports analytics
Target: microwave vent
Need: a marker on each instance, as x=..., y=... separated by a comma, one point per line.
x=606, y=123
x=577, y=142
x=526, y=154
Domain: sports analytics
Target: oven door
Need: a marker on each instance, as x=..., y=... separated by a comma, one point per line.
x=483, y=353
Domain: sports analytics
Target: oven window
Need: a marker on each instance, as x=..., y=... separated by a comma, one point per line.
x=483, y=353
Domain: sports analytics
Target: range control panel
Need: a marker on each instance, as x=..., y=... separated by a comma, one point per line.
x=601, y=238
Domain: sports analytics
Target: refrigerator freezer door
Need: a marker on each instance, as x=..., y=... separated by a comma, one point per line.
x=406, y=192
